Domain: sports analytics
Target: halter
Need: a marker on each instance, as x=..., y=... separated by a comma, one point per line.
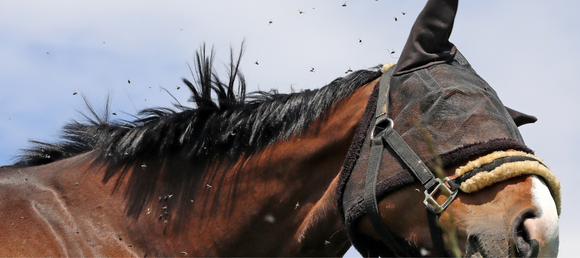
x=475, y=175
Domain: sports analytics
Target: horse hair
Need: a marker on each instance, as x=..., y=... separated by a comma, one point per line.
x=224, y=122
x=177, y=145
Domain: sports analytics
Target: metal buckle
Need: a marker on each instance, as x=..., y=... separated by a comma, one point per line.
x=429, y=200
x=391, y=123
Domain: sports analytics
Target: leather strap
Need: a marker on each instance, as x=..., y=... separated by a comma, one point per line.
x=436, y=232
x=370, y=199
x=394, y=140
x=389, y=138
x=408, y=156
x=381, y=113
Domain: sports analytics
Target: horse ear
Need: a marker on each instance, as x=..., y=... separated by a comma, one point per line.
x=521, y=118
x=428, y=42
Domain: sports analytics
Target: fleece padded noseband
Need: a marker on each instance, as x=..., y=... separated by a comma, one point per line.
x=503, y=165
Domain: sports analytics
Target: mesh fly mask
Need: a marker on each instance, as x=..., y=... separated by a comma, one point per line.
x=433, y=90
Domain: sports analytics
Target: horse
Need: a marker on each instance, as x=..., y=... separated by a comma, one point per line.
x=243, y=175
x=269, y=174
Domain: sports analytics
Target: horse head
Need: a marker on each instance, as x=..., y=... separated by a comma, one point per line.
x=441, y=168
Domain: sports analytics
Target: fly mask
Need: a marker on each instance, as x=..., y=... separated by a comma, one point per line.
x=433, y=91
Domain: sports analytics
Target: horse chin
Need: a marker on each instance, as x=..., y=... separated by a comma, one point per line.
x=528, y=249
x=487, y=245
x=525, y=248
x=492, y=242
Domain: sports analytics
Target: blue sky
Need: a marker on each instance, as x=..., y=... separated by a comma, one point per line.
x=527, y=51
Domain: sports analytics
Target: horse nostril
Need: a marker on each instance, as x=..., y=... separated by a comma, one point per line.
x=473, y=246
x=523, y=246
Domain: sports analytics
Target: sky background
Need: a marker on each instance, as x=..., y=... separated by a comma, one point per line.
x=50, y=50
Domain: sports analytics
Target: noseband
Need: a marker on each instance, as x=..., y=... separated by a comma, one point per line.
x=477, y=174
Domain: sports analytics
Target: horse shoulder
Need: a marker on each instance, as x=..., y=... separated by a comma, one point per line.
x=42, y=216
x=27, y=221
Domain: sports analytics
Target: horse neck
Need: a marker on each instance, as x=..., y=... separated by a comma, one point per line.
x=282, y=198
x=285, y=193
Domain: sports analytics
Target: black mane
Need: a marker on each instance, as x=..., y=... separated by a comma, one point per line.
x=171, y=148
x=225, y=121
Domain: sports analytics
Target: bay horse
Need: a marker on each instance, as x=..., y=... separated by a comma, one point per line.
x=238, y=175
x=268, y=174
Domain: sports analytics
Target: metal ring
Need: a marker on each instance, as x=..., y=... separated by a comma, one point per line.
x=391, y=124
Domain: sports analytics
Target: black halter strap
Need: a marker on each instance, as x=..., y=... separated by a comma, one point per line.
x=384, y=136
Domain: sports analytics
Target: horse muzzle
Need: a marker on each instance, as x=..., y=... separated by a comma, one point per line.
x=543, y=225
x=532, y=233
